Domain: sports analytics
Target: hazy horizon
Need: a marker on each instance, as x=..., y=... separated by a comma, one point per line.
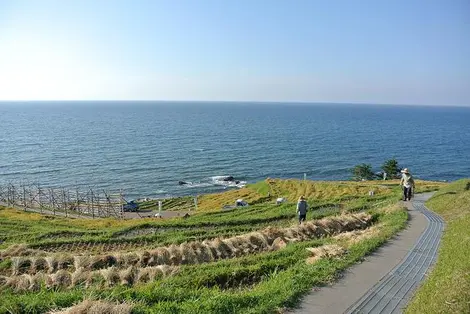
x=309, y=52
x=228, y=102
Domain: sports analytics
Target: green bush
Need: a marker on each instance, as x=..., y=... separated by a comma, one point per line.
x=391, y=168
x=362, y=172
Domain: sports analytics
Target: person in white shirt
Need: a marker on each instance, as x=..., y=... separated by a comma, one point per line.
x=407, y=183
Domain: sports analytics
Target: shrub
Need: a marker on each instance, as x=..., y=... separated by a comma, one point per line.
x=362, y=172
x=391, y=168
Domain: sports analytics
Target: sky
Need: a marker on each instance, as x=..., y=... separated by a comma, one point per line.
x=379, y=52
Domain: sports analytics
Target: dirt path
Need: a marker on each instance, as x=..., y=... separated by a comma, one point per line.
x=126, y=215
x=151, y=214
x=46, y=212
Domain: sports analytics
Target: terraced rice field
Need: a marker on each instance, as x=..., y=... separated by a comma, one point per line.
x=254, y=259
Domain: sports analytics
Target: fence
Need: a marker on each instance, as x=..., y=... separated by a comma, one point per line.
x=90, y=203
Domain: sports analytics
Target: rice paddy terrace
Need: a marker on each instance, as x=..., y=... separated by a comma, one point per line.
x=254, y=259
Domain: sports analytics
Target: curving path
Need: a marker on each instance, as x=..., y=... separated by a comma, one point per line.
x=385, y=282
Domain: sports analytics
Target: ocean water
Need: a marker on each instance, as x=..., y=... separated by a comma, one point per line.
x=144, y=149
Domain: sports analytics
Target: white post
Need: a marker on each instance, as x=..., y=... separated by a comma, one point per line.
x=195, y=203
x=305, y=176
x=159, y=207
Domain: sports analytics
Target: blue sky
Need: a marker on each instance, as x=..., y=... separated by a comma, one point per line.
x=392, y=52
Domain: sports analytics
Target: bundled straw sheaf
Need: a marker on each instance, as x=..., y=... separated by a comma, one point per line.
x=269, y=239
x=108, y=277
x=324, y=251
x=101, y=307
x=20, y=250
x=24, y=282
x=356, y=236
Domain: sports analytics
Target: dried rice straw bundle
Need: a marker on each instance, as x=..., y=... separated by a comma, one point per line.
x=324, y=251
x=272, y=233
x=60, y=279
x=36, y=281
x=213, y=252
x=144, y=258
x=175, y=254
x=197, y=248
x=222, y=250
x=39, y=264
x=206, y=254
x=163, y=257
x=20, y=265
x=306, y=231
x=80, y=276
x=129, y=259
x=65, y=262
x=96, y=307
x=187, y=254
x=333, y=224
x=128, y=276
x=110, y=275
x=356, y=236
x=153, y=260
x=259, y=240
x=19, y=250
x=20, y=283
x=3, y=280
x=52, y=263
x=233, y=245
x=278, y=244
x=81, y=261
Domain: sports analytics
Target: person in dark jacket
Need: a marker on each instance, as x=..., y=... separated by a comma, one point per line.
x=302, y=207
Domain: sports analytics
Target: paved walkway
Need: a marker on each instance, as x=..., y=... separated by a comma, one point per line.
x=386, y=280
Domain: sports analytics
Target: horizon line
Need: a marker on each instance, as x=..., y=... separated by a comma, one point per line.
x=231, y=102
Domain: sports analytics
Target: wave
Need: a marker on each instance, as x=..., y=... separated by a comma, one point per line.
x=228, y=181
x=215, y=181
x=198, y=185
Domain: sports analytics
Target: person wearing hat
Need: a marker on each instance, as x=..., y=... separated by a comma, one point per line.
x=407, y=183
x=302, y=207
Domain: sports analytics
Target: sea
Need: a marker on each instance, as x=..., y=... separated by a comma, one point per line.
x=144, y=149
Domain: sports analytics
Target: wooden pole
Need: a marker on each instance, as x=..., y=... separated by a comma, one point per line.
x=92, y=201
x=24, y=198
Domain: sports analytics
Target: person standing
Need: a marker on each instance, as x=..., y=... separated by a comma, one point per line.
x=407, y=183
x=302, y=207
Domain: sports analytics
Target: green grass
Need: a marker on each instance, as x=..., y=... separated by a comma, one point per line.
x=447, y=289
x=258, y=283
x=267, y=191
x=261, y=283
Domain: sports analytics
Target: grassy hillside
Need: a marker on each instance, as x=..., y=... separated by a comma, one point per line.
x=252, y=259
x=447, y=289
x=268, y=190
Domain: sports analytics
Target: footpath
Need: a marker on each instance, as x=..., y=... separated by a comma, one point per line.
x=387, y=279
x=46, y=211
x=126, y=215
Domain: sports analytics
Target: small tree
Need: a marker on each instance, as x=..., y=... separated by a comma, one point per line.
x=362, y=172
x=391, y=168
